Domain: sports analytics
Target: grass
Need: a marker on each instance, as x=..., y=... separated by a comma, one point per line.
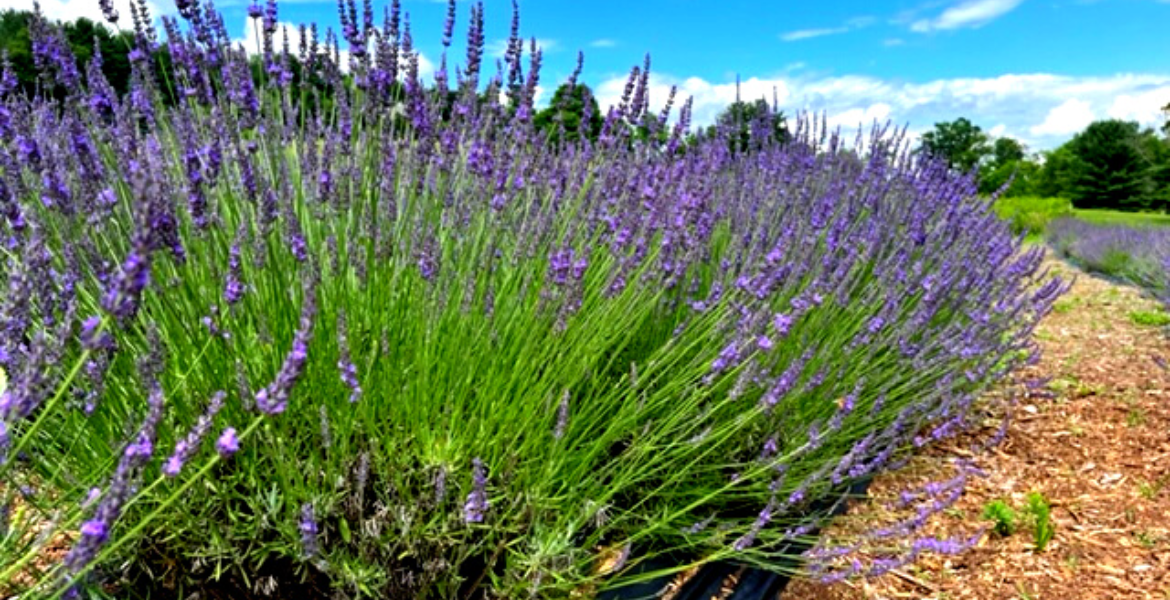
x=1116, y=217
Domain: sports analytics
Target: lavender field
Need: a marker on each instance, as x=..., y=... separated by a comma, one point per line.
x=306, y=325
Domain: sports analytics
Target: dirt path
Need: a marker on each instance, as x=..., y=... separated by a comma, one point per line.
x=1098, y=449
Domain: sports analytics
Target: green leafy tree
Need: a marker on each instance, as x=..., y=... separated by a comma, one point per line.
x=568, y=107
x=1107, y=169
x=1007, y=162
x=1006, y=150
x=961, y=143
x=1053, y=177
x=1155, y=149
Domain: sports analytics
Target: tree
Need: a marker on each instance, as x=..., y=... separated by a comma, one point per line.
x=1006, y=150
x=1107, y=168
x=1156, y=151
x=961, y=143
x=1053, y=178
x=1022, y=173
x=756, y=123
x=1008, y=162
x=568, y=106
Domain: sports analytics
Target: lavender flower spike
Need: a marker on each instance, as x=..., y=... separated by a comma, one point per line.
x=477, y=501
x=187, y=446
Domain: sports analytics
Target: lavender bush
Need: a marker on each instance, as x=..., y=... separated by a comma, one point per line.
x=1135, y=254
x=325, y=329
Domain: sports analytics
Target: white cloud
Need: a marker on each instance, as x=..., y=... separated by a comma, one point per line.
x=1144, y=107
x=892, y=42
x=805, y=34
x=69, y=10
x=1065, y=119
x=850, y=25
x=970, y=13
x=1034, y=108
x=603, y=43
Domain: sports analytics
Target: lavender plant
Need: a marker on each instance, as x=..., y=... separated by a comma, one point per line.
x=334, y=330
x=1137, y=255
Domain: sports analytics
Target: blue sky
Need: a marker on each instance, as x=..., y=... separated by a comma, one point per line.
x=1037, y=70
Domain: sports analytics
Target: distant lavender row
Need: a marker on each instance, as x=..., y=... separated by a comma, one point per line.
x=1138, y=255
x=438, y=349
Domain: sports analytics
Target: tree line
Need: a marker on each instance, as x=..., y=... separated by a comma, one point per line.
x=1111, y=164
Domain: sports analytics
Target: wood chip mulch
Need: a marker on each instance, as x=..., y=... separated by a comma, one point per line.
x=1098, y=449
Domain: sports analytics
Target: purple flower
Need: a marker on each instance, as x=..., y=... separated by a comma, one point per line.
x=477, y=502
x=234, y=288
x=309, y=532
x=273, y=399
x=186, y=447
x=95, y=531
x=228, y=442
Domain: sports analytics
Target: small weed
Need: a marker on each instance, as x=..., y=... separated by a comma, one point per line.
x=1002, y=515
x=1073, y=562
x=1147, y=540
x=1065, y=306
x=1041, y=514
x=1149, y=318
x=1135, y=417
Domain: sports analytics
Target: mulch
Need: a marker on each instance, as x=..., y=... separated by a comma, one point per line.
x=1096, y=445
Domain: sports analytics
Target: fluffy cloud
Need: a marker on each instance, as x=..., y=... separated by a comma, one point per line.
x=68, y=10
x=1040, y=109
x=603, y=43
x=1067, y=118
x=971, y=13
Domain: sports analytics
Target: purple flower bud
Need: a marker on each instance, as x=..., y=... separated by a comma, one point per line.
x=477, y=502
x=309, y=531
x=228, y=443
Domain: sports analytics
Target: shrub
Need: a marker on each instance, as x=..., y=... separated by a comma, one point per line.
x=403, y=346
x=1030, y=214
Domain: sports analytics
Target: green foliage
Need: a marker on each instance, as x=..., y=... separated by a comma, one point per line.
x=1053, y=177
x=565, y=112
x=1007, y=150
x=1107, y=169
x=1020, y=173
x=1002, y=516
x=1040, y=515
x=1030, y=214
x=81, y=35
x=1117, y=217
x=1149, y=318
x=960, y=142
